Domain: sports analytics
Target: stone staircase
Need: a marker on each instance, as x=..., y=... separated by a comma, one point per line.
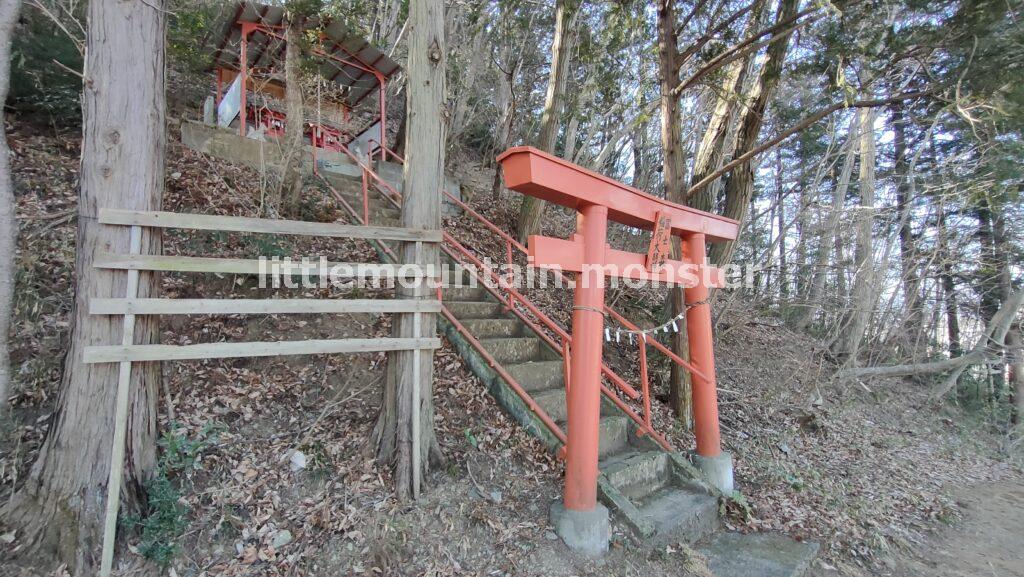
x=657, y=494
x=651, y=489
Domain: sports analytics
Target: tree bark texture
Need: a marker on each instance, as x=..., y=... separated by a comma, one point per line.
x=780, y=215
x=947, y=277
x=421, y=209
x=740, y=187
x=711, y=148
x=713, y=144
x=295, y=119
x=1015, y=373
x=532, y=209
x=59, y=510
x=855, y=322
x=674, y=177
x=9, y=10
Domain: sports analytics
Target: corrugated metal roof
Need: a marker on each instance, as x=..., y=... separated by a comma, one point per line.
x=266, y=50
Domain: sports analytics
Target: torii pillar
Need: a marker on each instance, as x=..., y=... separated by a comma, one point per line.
x=579, y=519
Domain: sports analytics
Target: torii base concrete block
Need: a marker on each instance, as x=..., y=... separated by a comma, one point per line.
x=585, y=532
x=717, y=471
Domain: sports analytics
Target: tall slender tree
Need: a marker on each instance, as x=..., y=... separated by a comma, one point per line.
x=828, y=231
x=851, y=332
x=9, y=10
x=532, y=209
x=295, y=125
x=913, y=320
x=674, y=172
x=58, y=512
x=421, y=209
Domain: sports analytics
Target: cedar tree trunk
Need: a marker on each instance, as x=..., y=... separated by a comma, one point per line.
x=58, y=513
x=421, y=209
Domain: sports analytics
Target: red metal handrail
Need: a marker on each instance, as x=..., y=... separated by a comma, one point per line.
x=610, y=311
x=387, y=151
x=494, y=364
x=512, y=297
x=617, y=380
x=513, y=383
x=563, y=349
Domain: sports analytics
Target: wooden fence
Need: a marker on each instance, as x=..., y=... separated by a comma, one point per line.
x=128, y=307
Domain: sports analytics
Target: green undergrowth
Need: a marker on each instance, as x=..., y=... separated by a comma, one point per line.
x=166, y=516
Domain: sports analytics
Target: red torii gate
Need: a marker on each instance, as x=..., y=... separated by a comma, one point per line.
x=580, y=521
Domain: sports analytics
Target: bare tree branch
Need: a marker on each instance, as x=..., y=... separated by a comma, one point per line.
x=995, y=334
x=807, y=121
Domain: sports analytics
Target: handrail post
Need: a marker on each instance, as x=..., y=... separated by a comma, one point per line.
x=312, y=142
x=509, y=275
x=716, y=465
x=220, y=86
x=366, y=200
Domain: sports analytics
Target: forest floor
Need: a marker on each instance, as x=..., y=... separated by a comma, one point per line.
x=271, y=461
x=987, y=542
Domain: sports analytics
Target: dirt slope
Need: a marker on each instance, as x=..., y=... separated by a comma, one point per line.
x=988, y=542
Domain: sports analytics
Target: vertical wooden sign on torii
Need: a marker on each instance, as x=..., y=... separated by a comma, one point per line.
x=580, y=521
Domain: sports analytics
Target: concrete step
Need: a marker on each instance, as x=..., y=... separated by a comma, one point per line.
x=385, y=212
x=757, y=555
x=355, y=198
x=487, y=328
x=513, y=349
x=346, y=189
x=677, y=513
x=553, y=403
x=539, y=375
x=456, y=277
x=477, y=293
x=340, y=170
x=637, y=474
x=614, y=435
x=474, y=309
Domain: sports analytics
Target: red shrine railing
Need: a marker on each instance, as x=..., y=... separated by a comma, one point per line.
x=502, y=288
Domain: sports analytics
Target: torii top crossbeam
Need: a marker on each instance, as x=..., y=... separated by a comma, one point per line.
x=558, y=181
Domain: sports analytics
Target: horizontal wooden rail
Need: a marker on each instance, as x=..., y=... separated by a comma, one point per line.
x=255, y=266
x=258, y=306
x=135, y=353
x=262, y=225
